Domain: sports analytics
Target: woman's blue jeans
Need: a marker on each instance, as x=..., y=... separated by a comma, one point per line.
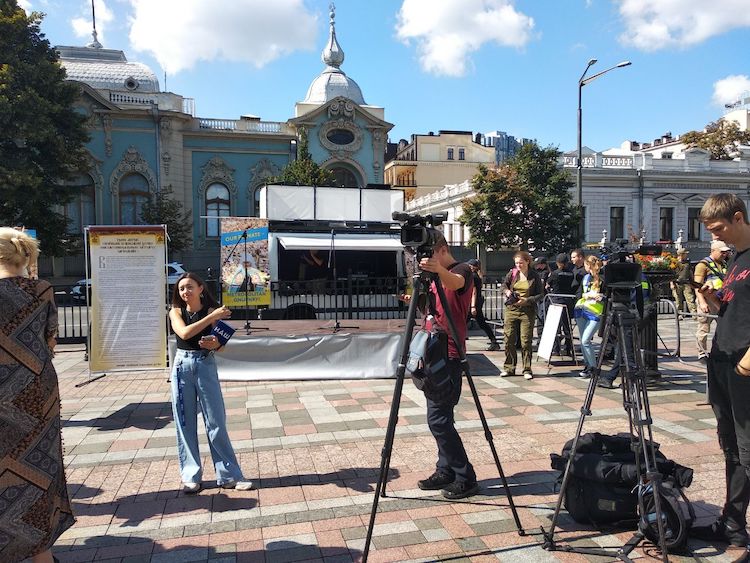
x=587, y=329
x=195, y=381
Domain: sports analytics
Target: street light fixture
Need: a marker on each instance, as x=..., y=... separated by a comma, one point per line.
x=579, y=164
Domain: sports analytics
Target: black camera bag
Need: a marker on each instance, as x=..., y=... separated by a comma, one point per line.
x=602, y=486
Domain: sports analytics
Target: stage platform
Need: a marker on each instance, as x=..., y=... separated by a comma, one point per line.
x=309, y=349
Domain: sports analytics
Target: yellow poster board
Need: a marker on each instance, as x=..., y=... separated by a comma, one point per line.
x=127, y=298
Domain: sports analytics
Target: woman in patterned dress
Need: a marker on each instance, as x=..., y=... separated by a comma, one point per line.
x=34, y=505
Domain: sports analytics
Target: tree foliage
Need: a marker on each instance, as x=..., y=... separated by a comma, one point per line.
x=304, y=171
x=41, y=136
x=163, y=209
x=721, y=138
x=526, y=203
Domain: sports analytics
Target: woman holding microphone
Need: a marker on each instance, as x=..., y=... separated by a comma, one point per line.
x=195, y=380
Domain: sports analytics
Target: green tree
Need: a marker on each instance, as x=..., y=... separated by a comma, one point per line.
x=721, y=138
x=304, y=171
x=42, y=137
x=163, y=209
x=525, y=203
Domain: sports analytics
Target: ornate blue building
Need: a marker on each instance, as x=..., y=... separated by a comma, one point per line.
x=144, y=140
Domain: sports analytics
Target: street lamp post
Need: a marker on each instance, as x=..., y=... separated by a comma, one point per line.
x=579, y=164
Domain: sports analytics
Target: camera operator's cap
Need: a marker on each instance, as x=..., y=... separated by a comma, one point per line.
x=720, y=245
x=562, y=258
x=683, y=251
x=474, y=262
x=540, y=260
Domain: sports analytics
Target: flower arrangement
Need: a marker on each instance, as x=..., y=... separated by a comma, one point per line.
x=665, y=261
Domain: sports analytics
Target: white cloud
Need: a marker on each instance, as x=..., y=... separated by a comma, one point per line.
x=447, y=32
x=25, y=5
x=82, y=25
x=179, y=33
x=728, y=90
x=650, y=25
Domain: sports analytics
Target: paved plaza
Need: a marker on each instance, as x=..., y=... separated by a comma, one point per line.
x=314, y=449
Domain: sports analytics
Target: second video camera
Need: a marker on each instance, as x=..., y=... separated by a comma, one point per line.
x=418, y=232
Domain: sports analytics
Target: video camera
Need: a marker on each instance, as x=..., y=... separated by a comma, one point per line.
x=418, y=232
x=623, y=278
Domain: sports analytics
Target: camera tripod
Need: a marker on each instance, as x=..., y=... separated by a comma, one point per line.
x=623, y=322
x=421, y=282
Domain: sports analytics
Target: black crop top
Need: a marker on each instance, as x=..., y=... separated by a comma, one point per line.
x=190, y=318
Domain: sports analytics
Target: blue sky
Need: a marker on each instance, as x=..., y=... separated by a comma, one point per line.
x=478, y=65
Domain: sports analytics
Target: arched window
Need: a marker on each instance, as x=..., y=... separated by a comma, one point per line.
x=217, y=205
x=256, y=201
x=81, y=210
x=345, y=178
x=133, y=194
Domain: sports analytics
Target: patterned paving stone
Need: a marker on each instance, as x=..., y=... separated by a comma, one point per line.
x=314, y=449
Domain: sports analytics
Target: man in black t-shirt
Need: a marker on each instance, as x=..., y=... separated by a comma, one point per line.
x=725, y=217
x=560, y=282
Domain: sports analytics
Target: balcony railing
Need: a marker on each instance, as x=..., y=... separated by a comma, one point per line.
x=245, y=126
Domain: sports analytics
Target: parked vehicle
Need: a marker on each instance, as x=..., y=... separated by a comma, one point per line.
x=77, y=291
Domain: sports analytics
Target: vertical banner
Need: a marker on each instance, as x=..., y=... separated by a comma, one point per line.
x=128, y=298
x=245, y=274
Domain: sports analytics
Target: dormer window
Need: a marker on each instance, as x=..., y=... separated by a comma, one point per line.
x=131, y=83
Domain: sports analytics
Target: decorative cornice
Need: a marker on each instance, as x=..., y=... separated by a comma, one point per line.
x=132, y=162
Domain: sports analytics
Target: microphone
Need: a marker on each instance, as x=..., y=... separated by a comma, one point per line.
x=400, y=216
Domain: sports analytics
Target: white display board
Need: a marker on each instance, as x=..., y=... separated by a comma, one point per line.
x=549, y=332
x=128, y=298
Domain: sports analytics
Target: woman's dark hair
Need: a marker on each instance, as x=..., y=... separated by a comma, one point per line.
x=207, y=299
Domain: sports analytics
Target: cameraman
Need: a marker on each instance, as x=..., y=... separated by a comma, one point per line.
x=454, y=473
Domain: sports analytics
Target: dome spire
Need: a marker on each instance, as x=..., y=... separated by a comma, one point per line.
x=95, y=42
x=332, y=54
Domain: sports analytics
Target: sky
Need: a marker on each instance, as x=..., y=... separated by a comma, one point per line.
x=469, y=65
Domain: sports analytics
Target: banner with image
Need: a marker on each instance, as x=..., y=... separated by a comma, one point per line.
x=245, y=274
x=128, y=298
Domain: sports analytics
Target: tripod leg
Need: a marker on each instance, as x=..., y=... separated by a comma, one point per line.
x=549, y=541
x=635, y=401
x=385, y=456
x=475, y=395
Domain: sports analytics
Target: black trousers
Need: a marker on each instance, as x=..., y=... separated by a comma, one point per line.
x=452, y=458
x=482, y=322
x=729, y=395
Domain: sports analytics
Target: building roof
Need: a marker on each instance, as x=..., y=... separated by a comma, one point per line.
x=106, y=69
x=333, y=82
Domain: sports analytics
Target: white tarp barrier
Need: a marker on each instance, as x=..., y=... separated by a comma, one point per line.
x=288, y=203
x=343, y=242
x=307, y=203
x=128, y=297
x=337, y=204
x=377, y=205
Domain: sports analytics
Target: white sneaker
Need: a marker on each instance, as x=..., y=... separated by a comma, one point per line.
x=505, y=373
x=237, y=485
x=528, y=375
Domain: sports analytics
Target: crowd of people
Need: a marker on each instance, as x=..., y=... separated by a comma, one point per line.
x=29, y=315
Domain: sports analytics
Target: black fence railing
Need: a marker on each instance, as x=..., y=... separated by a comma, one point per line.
x=72, y=316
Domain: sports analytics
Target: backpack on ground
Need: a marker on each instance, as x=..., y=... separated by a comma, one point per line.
x=602, y=489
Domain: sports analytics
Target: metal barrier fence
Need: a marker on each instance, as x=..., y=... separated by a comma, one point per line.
x=348, y=298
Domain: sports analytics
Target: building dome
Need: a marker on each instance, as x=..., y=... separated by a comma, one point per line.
x=333, y=82
x=106, y=69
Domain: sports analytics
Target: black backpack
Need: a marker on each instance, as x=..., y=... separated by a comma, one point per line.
x=428, y=365
x=602, y=489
